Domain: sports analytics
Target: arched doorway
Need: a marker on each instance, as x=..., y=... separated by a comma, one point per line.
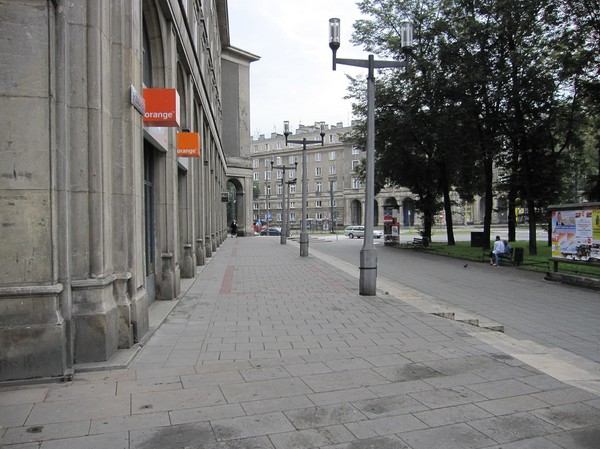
x=235, y=205
x=355, y=212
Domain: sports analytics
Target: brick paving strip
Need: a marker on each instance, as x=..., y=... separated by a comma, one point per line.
x=269, y=350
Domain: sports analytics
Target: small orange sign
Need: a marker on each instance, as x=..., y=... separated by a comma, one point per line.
x=188, y=144
x=162, y=107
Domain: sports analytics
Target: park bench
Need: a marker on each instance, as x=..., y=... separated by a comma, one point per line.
x=508, y=257
x=419, y=243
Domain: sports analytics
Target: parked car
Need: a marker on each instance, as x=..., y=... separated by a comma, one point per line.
x=359, y=231
x=271, y=231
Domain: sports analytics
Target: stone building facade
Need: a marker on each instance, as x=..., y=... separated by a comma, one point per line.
x=335, y=194
x=100, y=217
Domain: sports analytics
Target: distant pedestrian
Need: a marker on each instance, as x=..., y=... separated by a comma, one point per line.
x=496, y=251
x=234, y=228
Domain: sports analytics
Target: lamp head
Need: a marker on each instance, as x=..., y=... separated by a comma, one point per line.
x=322, y=133
x=286, y=130
x=334, y=34
x=334, y=37
x=406, y=35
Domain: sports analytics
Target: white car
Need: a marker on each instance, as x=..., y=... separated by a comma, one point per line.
x=359, y=231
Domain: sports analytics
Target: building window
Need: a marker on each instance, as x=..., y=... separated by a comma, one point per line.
x=255, y=148
x=292, y=173
x=331, y=138
x=269, y=190
x=279, y=145
x=267, y=163
x=332, y=155
x=319, y=215
x=279, y=189
x=267, y=176
x=292, y=205
x=279, y=174
x=355, y=183
x=255, y=206
x=292, y=189
x=278, y=160
x=355, y=164
x=291, y=159
x=146, y=58
x=333, y=186
x=355, y=150
x=318, y=186
x=332, y=170
x=255, y=163
x=292, y=216
x=256, y=176
x=318, y=171
x=317, y=157
x=319, y=203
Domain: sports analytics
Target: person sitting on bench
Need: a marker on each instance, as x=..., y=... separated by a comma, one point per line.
x=496, y=251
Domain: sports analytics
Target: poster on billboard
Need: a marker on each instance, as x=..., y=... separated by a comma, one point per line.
x=576, y=232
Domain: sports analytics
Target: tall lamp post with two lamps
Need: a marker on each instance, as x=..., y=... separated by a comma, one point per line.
x=368, y=255
x=285, y=218
x=304, y=142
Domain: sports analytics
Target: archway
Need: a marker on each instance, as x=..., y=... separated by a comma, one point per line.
x=355, y=212
x=235, y=205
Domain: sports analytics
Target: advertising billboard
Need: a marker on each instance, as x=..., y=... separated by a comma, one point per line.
x=576, y=232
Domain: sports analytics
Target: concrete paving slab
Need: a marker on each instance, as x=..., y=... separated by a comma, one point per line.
x=251, y=426
x=29, y=434
x=157, y=401
x=78, y=409
x=312, y=438
x=388, y=425
x=211, y=413
x=510, y=405
x=456, y=436
x=173, y=436
x=323, y=416
x=344, y=380
x=452, y=415
x=514, y=427
x=14, y=415
x=129, y=422
x=388, y=406
x=118, y=440
x=577, y=439
x=276, y=405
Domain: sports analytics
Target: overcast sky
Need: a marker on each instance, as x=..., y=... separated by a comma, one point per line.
x=294, y=80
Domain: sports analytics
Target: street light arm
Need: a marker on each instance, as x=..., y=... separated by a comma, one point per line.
x=376, y=64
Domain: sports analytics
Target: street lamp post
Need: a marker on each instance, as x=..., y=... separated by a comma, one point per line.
x=284, y=225
x=267, y=196
x=303, y=231
x=368, y=255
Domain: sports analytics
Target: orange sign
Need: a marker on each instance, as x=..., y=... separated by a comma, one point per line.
x=162, y=107
x=188, y=144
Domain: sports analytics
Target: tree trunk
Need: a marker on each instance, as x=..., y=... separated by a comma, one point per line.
x=447, y=208
x=512, y=215
x=489, y=201
x=532, y=226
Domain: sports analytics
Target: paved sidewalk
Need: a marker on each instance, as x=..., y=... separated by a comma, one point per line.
x=270, y=350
